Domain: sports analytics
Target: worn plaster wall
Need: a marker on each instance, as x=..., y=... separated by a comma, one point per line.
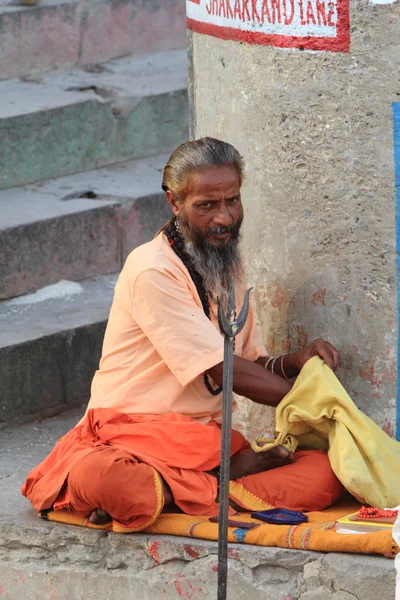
x=316, y=129
x=64, y=33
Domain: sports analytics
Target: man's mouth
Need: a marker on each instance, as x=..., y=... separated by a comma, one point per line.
x=222, y=237
x=220, y=232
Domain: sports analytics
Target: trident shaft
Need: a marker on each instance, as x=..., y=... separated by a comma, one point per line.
x=230, y=327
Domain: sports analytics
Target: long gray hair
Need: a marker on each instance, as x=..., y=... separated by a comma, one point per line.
x=198, y=155
x=214, y=265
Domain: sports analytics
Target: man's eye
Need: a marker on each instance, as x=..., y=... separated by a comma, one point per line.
x=234, y=200
x=207, y=205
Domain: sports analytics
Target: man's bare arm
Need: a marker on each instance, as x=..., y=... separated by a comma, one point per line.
x=254, y=381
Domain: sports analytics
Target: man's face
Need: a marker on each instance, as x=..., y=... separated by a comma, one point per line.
x=212, y=207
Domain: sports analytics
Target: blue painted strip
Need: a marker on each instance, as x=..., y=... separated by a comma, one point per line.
x=396, y=121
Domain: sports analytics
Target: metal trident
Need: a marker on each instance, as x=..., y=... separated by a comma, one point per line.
x=230, y=327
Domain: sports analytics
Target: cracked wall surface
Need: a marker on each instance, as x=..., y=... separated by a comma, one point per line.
x=316, y=129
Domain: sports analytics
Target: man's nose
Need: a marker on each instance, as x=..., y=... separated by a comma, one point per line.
x=223, y=217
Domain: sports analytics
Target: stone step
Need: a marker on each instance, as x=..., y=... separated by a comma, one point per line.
x=78, y=226
x=74, y=121
x=40, y=559
x=61, y=33
x=50, y=346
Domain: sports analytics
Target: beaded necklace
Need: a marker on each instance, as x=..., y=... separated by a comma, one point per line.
x=178, y=246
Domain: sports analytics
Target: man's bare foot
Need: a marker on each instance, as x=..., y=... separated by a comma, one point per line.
x=168, y=497
x=249, y=462
x=101, y=517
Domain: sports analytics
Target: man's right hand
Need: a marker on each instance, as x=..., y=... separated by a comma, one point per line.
x=248, y=462
x=321, y=348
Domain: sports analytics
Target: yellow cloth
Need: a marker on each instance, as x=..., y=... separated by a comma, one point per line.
x=318, y=534
x=363, y=457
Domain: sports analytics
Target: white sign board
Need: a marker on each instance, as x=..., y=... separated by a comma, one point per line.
x=303, y=24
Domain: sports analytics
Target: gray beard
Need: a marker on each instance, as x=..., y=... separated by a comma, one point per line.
x=215, y=264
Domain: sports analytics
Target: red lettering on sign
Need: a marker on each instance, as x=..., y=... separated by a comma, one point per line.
x=321, y=14
x=212, y=9
x=310, y=14
x=265, y=12
x=245, y=10
x=276, y=11
x=302, y=21
x=254, y=12
x=222, y=7
x=237, y=11
x=229, y=12
x=288, y=18
x=331, y=13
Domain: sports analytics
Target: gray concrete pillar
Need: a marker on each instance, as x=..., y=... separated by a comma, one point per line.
x=309, y=92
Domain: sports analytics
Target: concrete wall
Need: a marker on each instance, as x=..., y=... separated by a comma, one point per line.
x=316, y=128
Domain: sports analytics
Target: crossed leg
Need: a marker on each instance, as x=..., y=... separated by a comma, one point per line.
x=95, y=483
x=305, y=484
x=110, y=481
x=107, y=481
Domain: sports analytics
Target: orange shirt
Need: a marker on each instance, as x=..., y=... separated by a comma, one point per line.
x=159, y=342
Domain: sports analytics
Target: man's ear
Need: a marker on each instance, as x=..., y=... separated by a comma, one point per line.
x=172, y=202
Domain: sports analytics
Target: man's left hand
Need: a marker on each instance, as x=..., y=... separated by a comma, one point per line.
x=320, y=348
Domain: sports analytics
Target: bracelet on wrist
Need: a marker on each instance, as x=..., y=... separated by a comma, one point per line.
x=268, y=362
x=291, y=379
x=274, y=361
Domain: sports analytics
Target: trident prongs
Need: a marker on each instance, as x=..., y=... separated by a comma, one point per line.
x=230, y=327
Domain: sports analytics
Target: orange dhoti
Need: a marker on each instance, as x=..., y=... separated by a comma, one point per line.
x=118, y=462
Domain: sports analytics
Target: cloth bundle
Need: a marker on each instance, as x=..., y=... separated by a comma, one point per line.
x=319, y=414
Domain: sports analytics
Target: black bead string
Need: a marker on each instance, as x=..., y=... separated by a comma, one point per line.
x=178, y=246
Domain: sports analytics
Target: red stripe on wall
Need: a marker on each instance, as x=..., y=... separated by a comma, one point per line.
x=343, y=27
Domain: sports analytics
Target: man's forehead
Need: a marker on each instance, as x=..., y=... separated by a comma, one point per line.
x=218, y=179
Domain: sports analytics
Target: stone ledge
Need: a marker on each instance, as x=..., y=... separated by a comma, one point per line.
x=49, y=350
x=69, y=122
x=37, y=560
x=78, y=226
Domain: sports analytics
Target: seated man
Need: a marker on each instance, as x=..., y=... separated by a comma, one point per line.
x=151, y=434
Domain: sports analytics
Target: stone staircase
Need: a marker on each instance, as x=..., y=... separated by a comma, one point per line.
x=84, y=137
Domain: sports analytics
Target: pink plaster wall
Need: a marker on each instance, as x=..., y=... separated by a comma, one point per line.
x=40, y=38
x=88, y=31
x=127, y=27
